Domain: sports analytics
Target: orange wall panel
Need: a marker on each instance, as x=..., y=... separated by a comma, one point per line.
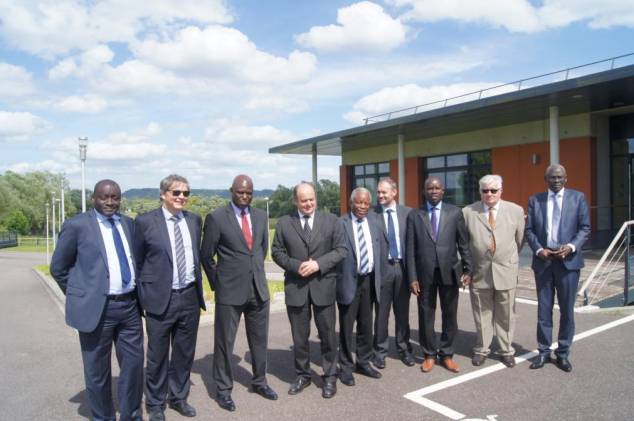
x=413, y=181
x=344, y=188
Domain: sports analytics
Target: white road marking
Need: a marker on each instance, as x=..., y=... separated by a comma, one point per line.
x=418, y=396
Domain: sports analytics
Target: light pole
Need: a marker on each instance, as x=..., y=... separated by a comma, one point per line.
x=53, y=208
x=268, y=228
x=59, y=217
x=62, y=211
x=83, y=145
x=48, y=253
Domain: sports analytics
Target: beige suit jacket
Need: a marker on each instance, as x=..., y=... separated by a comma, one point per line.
x=497, y=270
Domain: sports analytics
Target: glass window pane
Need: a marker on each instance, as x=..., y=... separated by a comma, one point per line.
x=370, y=169
x=481, y=158
x=457, y=160
x=357, y=182
x=384, y=168
x=455, y=187
x=358, y=170
x=435, y=162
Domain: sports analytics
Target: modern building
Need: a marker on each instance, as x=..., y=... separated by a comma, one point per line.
x=515, y=130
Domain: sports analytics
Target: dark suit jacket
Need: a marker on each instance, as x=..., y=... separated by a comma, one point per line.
x=154, y=260
x=402, y=213
x=574, y=227
x=290, y=249
x=347, y=268
x=453, y=237
x=80, y=267
x=229, y=264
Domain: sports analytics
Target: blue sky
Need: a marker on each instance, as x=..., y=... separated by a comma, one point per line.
x=204, y=87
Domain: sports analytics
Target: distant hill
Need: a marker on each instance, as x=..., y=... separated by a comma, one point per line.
x=153, y=193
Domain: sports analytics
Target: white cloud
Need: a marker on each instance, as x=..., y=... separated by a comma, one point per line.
x=82, y=104
x=52, y=27
x=521, y=15
x=362, y=26
x=15, y=81
x=20, y=125
x=234, y=135
x=83, y=65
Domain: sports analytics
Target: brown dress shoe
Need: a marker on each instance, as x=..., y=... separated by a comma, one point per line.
x=450, y=365
x=427, y=364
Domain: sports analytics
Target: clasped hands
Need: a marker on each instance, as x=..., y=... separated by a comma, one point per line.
x=308, y=267
x=560, y=254
x=416, y=289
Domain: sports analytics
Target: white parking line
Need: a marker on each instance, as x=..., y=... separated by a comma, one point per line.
x=418, y=396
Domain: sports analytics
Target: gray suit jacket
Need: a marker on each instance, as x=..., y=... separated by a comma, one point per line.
x=80, y=267
x=229, y=264
x=499, y=270
x=422, y=249
x=402, y=213
x=347, y=268
x=326, y=246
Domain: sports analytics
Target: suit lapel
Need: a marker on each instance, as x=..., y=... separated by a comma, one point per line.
x=425, y=216
x=128, y=237
x=379, y=212
x=94, y=225
x=161, y=224
x=296, y=223
x=315, y=231
x=192, y=234
x=233, y=221
x=350, y=233
x=482, y=215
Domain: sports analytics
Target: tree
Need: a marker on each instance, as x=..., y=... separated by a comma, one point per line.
x=328, y=196
x=17, y=221
x=281, y=202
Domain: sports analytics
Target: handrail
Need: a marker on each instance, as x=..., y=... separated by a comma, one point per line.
x=612, y=61
x=607, y=252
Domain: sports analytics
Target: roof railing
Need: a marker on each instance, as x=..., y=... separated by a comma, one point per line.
x=500, y=89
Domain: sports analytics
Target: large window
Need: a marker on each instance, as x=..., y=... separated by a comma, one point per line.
x=368, y=176
x=460, y=174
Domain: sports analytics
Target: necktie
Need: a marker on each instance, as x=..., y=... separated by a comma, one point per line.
x=391, y=235
x=554, y=226
x=126, y=276
x=492, y=246
x=181, y=266
x=364, y=262
x=434, y=223
x=246, y=231
x=307, y=230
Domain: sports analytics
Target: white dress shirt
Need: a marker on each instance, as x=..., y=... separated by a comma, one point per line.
x=368, y=241
x=114, y=269
x=187, y=244
x=238, y=212
x=397, y=229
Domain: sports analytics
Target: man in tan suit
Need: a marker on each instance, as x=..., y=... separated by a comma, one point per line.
x=496, y=230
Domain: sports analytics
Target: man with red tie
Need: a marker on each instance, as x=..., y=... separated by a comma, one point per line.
x=235, y=242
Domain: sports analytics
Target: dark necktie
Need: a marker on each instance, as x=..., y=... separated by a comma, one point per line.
x=179, y=248
x=434, y=223
x=307, y=230
x=391, y=235
x=124, y=266
x=246, y=231
x=364, y=262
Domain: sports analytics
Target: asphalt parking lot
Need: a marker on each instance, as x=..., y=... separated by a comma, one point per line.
x=42, y=377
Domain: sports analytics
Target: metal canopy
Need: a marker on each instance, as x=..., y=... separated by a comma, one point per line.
x=611, y=89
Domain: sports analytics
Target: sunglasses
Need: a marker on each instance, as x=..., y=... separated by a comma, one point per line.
x=493, y=191
x=177, y=193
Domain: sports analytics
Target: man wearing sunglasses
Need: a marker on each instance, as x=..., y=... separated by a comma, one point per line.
x=170, y=290
x=496, y=231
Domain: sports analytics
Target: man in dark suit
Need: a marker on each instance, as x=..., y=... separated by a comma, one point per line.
x=358, y=286
x=235, y=242
x=167, y=243
x=93, y=265
x=308, y=245
x=435, y=235
x=395, y=291
x=558, y=225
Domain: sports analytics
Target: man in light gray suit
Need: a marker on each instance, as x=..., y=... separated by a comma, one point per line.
x=235, y=242
x=395, y=293
x=496, y=232
x=308, y=245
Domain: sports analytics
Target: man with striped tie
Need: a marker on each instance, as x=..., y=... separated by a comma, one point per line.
x=170, y=290
x=358, y=286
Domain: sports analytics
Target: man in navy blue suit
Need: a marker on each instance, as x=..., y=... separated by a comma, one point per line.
x=557, y=227
x=93, y=265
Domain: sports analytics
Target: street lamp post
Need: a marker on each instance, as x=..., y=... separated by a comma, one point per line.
x=268, y=227
x=83, y=145
x=59, y=217
x=48, y=253
x=62, y=211
x=53, y=208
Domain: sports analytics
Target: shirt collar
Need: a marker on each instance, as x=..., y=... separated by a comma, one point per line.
x=101, y=217
x=238, y=211
x=354, y=217
x=552, y=193
x=495, y=208
x=168, y=215
x=301, y=215
x=429, y=206
x=393, y=207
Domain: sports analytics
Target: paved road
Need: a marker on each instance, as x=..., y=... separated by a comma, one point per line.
x=40, y=371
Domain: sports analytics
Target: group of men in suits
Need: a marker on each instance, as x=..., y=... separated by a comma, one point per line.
x=113, y=270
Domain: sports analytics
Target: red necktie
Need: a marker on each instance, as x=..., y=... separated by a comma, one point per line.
x=246, y=231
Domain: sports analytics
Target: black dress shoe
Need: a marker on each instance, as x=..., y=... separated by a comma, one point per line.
x=183, y=408
x=266, y=392
x=156, y=413
x=329, y=390
x=346, y=378
x=508, y=360
x=478, y=359
x=539, y=361
x=407, y=359
x=564, y=364
x=225, y=402
x=367, y=370
x=379, y=362
x=298, y=385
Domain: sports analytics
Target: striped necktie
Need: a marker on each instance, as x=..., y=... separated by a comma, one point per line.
x=364, y=262
x=179, y=247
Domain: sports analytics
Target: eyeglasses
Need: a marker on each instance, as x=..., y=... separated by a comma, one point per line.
x=493, y=191
x=177, y=193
